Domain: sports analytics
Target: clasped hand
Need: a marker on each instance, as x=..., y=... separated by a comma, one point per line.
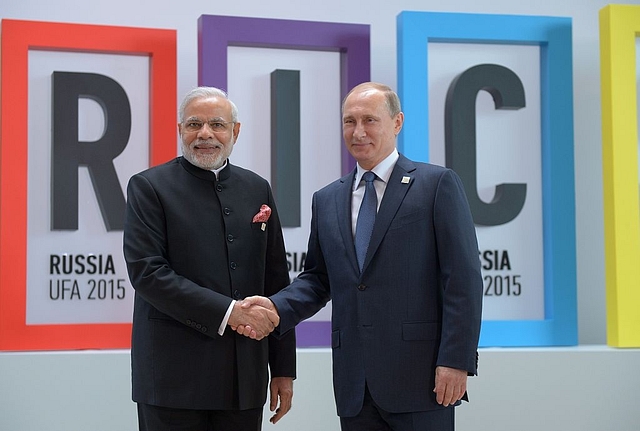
x=254, y=317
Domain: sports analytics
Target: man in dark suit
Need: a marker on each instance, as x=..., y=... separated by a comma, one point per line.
x=406, y=310
x=200, y=235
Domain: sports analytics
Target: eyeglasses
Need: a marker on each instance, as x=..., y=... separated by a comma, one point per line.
x=216, y=126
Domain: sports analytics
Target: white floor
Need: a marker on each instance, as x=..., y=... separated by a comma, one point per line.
x=586, y=388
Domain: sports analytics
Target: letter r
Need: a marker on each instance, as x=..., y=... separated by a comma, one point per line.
x=69, y=153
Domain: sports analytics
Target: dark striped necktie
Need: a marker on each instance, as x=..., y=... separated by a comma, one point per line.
x=366, y=217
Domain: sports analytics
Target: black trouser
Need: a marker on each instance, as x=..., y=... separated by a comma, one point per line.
x=155, y=418
x=373, y=418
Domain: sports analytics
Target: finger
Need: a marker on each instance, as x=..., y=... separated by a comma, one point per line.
x=275, y=418
x=439, y=395
x=255, y=300
x=458, y=396
x=262, y=301
x=274, y=318
x=247, y=330
x=448, y=396
x=281, y=411
x=273, y=397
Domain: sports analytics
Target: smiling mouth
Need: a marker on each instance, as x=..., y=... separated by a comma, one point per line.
x=207, y=147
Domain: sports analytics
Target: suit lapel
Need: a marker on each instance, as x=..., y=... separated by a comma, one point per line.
x=399, y=183
x=343, y=208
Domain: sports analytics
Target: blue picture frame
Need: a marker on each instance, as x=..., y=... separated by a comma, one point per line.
x=553, y=35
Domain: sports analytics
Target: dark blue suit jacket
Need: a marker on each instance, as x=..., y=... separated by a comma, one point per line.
x=417, y=303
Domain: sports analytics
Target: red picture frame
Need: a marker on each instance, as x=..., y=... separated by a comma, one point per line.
x=17, y=38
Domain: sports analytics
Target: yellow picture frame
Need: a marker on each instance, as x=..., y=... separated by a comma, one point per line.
x=619, y=28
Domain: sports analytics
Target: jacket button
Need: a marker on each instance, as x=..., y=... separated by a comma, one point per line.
x=362, y=287
x=230, y=238
x=227, y=211
x=236, y=294
x=219, y=188
x=233, y=265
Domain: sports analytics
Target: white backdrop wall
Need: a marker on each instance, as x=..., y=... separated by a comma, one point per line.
x=381, y=16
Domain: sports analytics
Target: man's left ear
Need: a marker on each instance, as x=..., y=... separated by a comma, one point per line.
x=236, y=132
x=399, y=122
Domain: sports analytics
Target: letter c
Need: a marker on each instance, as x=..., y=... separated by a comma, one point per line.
x=460, y=138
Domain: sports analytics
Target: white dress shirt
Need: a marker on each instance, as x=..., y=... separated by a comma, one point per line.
x=383, y=172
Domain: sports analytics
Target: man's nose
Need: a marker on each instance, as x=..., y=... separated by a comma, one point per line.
x=359, y=131
x=205, y=130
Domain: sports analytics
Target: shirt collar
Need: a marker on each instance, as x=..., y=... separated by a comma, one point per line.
x=382, y=170
x=217, y=171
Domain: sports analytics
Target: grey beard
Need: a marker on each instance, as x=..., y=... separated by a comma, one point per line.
x=207, y=161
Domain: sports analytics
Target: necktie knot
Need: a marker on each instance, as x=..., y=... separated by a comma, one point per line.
x=369, y=176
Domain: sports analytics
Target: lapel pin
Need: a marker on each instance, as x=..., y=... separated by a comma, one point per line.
x=263, y=227
x=405, y=180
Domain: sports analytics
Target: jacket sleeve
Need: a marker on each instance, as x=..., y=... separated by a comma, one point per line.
x=310, y=291
x=461, y=280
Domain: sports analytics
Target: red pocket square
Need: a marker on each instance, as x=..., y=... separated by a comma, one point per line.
x=263, y=215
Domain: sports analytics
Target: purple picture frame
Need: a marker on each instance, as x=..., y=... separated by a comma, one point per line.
x=352, y=41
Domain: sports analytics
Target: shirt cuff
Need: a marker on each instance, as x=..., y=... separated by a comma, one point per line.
x=223, y=325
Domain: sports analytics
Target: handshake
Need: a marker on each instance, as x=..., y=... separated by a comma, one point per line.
x=254, y=317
